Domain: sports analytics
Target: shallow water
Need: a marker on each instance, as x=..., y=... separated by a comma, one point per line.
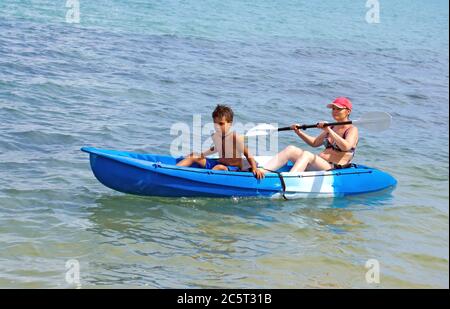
x=129, y=70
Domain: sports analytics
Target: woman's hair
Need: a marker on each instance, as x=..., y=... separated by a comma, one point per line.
x=223, y=111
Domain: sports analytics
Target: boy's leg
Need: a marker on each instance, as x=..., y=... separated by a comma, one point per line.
x=189, y=161
x=220, y=167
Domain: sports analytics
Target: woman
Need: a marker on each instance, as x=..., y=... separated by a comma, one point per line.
x=339, y=141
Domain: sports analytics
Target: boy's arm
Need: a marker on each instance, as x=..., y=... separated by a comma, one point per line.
x=208, y=152
x=254, y=166
x=204, y=154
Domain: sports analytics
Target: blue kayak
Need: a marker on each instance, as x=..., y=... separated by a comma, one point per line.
x=158, y=175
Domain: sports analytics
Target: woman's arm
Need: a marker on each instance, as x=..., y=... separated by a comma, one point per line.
x=310, y=140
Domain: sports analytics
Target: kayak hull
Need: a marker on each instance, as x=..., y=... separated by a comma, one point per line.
x=156, y=175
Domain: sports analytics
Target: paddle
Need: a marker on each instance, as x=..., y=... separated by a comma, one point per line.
x=375, y=121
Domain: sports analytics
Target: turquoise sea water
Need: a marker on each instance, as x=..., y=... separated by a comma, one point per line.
x=130, y=69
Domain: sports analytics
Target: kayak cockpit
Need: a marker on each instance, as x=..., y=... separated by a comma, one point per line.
x=163, y=159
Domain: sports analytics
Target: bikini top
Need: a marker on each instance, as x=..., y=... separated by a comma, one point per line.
x=327, y=144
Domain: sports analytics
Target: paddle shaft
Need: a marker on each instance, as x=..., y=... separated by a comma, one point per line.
x=309, y=126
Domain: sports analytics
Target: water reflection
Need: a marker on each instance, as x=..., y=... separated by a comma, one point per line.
x=216, y=239
x=138, y=217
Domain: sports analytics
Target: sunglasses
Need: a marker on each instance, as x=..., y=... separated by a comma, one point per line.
x=338, y=109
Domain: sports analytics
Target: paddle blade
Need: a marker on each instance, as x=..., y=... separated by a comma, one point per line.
x=261, y=129
x=374, y=121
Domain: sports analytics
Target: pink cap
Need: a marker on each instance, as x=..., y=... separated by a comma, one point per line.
x=341, y=102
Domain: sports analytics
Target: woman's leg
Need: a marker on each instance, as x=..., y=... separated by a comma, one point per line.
x=290, y=153
x=311, y=161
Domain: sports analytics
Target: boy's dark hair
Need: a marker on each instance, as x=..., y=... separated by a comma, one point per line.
x=223, y=111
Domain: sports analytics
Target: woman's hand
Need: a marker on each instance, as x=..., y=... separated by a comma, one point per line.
x=295, y=127
x=321, y=125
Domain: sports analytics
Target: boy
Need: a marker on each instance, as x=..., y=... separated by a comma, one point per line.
x=228, y=144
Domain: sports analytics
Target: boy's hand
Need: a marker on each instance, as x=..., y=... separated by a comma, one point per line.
x=196, y=155
x=258, y=173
